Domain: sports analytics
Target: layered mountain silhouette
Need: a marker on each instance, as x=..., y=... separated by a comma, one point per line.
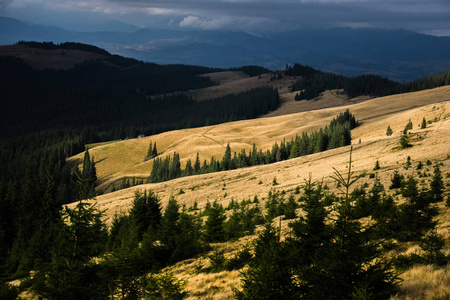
x=397, y=54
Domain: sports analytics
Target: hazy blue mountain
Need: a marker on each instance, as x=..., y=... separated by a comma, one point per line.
x=116, y=26
x=397, y=54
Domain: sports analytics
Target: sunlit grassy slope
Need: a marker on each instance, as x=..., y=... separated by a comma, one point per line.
x=126, y=158
x=370, y=143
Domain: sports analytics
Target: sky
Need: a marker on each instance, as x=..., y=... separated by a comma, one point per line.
x=254, y=16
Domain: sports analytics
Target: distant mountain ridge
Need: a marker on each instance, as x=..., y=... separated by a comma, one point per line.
x=397, y=54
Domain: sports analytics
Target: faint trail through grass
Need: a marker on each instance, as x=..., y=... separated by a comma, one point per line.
x=215, y=141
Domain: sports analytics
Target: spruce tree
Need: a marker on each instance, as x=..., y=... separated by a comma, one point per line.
x=150, y=151
x=404, y=142
x=389, y=131
x=188, y=238
x=424, y=124
x=415, y=217
x=377, y=166
x=397, y=180
x=122, y=266
x=290, y=208
x=310, y=233
x=188, y=170
x=269, y=275
x=226, y=161
x=154, y=150
x=169, y=226
x=197, y=165
x=437, y=185
x=80, y=236
x=146, y=212
x=213, y=230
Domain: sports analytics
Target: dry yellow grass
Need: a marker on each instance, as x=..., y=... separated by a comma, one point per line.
x=425, y=282
x=125, y=158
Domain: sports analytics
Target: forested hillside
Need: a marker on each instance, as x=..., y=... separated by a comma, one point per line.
x=312, y=82
x=51, y=114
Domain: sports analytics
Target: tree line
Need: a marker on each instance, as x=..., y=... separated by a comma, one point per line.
x=334, y=135
x=313, y=82
x=65, y=46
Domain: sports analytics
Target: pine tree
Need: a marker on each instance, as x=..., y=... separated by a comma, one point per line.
x=150, y=151
x=397, y=181
x=377, y=166
x=290, y=207
x=169, y=226
x=415, y=217
x=269, y=275
x=389, y=131
x=437, y=185
x=81, y=235
x=146, y=212
x=213, y=230
x=154, y=150
x=408, y=126
x=197, y=165
x=226, y=161
x=188, y=239
x=424, y=124
x=404, y=142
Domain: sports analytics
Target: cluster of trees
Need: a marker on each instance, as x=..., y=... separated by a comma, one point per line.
x=128, y=252
x=88, y=174
x=141, y=242
x=152, y=151
x=252, y=70
x=30, y=208
x=314, y=82
x=126, y=183
x=331, y=254
x=242, y=220
x=334, y=135
x=34, y=182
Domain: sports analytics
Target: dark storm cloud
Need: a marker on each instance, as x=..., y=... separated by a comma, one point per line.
x=258, y=15
x=4, y=3
x=423, y=15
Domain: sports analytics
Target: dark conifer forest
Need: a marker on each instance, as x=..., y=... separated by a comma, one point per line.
x=313, y=82
x=50, y=115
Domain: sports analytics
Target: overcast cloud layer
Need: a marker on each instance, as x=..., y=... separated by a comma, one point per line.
x=425, y=16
